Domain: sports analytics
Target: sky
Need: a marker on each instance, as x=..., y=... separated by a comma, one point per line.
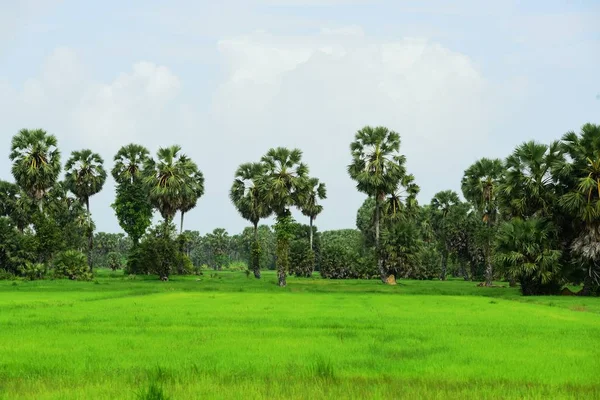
x=228, y=80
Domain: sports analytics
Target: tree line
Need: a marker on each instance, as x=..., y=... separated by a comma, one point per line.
x=531, y=219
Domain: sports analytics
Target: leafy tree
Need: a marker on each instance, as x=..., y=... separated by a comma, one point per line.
x=248, y=198
x=36, y=162
x=480, y=186
x=580, y=176
x=525, y=251
x=85, y=176
x=132, y=205
x=343, y=256
x=158, y=251
x=16, y=205
x=284, y=186
x=379, y=170
x=133, y=209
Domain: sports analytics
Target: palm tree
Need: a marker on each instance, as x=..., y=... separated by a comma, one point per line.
x=85, y=177
x=378, y=168
x=525, y=250
x=480, y=186
x=311, y=208
x=193, y=189
x=36, y=162
x=129, y=163
x=581, y=176
x=248, y=199
x=527, y=189
x=441, y=205
x=167, y=180
x=284, y=186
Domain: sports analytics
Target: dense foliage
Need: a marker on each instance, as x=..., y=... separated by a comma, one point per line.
x=532, y=219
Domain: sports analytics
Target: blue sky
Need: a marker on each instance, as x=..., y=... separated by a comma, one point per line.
x=458, y=80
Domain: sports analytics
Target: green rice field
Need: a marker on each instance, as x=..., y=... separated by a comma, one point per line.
x=224, y=335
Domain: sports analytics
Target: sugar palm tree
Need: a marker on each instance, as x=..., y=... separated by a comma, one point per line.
x=441, y=205
x=527, y=188
x=581, y=176
x=378, y=168
x=248, y=199
x=129, y=163
x=311, y=208
x=480, y=186
x=284, y=187
x=193, y=190
x=36, y=162
x=167, y=180
x=85, y=176
x=525, y=251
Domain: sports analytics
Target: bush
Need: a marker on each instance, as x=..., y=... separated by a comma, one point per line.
x=185, y=266
x=113, y=261
x=72, y=264
x=341, y=256
x=302, y=258
x=158, y=252
x=32, y=271
x=6, y=275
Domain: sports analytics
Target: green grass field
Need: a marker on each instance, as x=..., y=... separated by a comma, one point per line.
x=229, y=336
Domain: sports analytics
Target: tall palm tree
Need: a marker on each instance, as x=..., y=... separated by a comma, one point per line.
x=580, y=175
x=284, y=186
x=193, y=189
x=480, y=186
x=528, y=188
x=129, y=163
x=311, y=208
x=248, y=199
x=441, y=205
x=378, y=168
x=36, y=162
x=168, y=180
x=85, y=176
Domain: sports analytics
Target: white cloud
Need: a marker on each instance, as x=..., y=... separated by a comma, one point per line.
x=314, y=93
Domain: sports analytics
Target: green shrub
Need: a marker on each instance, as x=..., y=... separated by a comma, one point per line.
x=72, y=264
x=113, y=261
x=6, y=275
x=158, y=252
x=342, y=256
x=302, y=258
x=32, y=271
x=236, y=266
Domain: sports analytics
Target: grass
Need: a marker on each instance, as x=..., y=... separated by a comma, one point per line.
x=229, y=336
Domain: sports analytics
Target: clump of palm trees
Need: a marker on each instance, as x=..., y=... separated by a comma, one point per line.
x=275, y=185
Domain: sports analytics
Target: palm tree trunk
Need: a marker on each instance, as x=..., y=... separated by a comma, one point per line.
x=90, y=235
x=382, y=272
x=444, y=265
x=181, y=223
x=463, y=272
x=255, y=254
x=311, y=232
x=489, y=272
